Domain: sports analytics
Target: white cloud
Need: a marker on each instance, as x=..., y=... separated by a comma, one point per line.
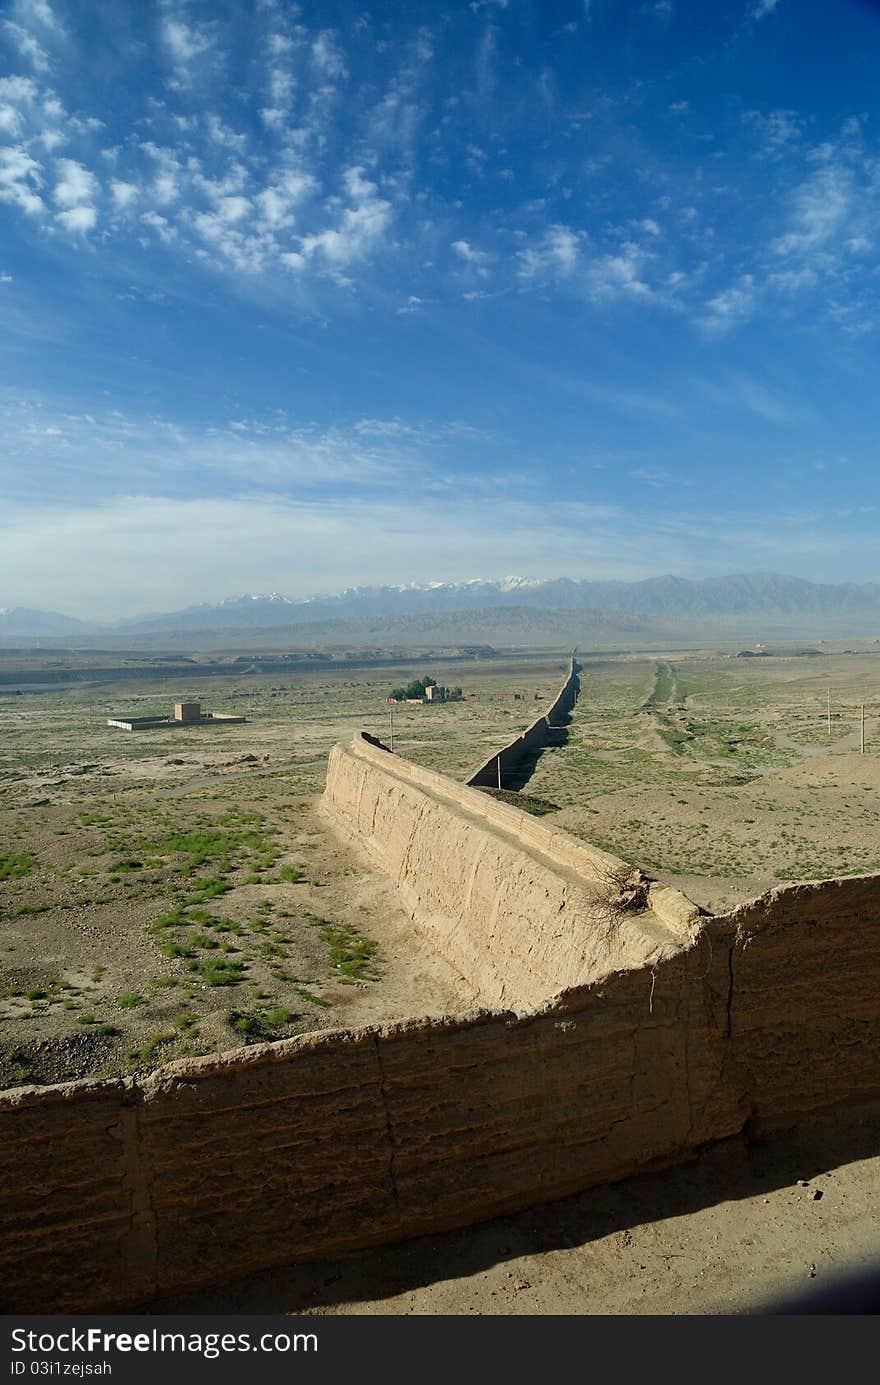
x=761, y=8
x=18, y=89
x=277, y=201
x=281, y=87
x=160, y=225
x=359, y=230
x=731, y=306
x=618, y=275
x=232, y=209
x=76, y=184
x=17, y=96
x=41, y=11
x=10, y=120
x=78, y=220
x=185, y=41
x=19, y=176
x=736, y=391
x=412, y=305
x=779, y=131
x=327, y=56
x=74, y=191
x=221, y=133
x=822, y=207
x=556, y=253
x=279, y=44
x=124, y=193
x=27, y=45
x=476, y=259
x=166, y=188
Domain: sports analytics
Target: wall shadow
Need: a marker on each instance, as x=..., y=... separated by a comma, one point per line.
x=729, y=1171
x=517, y=776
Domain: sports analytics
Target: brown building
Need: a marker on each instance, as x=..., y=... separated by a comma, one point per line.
x=187, y=711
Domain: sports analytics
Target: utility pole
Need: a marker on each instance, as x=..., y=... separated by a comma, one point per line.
x=863, y=728
x=829, y=714
x=499, y=771
x=391, y=719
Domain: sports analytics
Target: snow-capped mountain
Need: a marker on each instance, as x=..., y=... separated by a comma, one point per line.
x=768, y=595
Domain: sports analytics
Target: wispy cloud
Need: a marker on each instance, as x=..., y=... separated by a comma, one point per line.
x=621, y=274
x=822, y=205
x=48, y=449
x=327, y=57
x=187, y=44
x=730, y=307
x=555, y=253
x=735, y=390
x=20, y=181
x=303, y=548
x=28, y=46
x=778, y=131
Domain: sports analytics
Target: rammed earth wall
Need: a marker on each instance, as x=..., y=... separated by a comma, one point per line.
x=114, y=1193
x=533, y=738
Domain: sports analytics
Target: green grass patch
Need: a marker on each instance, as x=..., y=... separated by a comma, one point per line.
x=217, y=971
x=149, y=1055
x=202, y=940
x=349, y=952
x=16, y=865
x=261, y=1025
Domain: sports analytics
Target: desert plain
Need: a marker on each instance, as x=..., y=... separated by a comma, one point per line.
x=173, y=892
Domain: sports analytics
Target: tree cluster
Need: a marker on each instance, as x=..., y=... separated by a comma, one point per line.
x=414, y=689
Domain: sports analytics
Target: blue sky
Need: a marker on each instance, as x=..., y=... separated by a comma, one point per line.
x=299, y=297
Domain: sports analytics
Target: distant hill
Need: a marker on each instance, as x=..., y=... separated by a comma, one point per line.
x=482, y=610
x=22, y=621
x=675, y=598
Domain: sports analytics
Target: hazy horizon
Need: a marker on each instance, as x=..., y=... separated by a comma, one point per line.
x=655, y=599
x=299, y=299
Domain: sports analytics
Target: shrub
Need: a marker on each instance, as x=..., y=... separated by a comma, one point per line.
x=217, y=971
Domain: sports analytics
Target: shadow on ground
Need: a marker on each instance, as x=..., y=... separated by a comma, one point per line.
x=724, y=1173
x=517, y=778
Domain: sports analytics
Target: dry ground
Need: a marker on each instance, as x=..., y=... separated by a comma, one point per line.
x=717, y=773
x=172, y=892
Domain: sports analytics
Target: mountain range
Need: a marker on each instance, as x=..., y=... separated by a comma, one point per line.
x=656, y=600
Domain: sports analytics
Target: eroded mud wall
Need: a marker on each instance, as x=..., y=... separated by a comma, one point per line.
x=533, y=738
x=123, y=1191
x=119, y=1192
x=519, y=908
x=806, y=998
